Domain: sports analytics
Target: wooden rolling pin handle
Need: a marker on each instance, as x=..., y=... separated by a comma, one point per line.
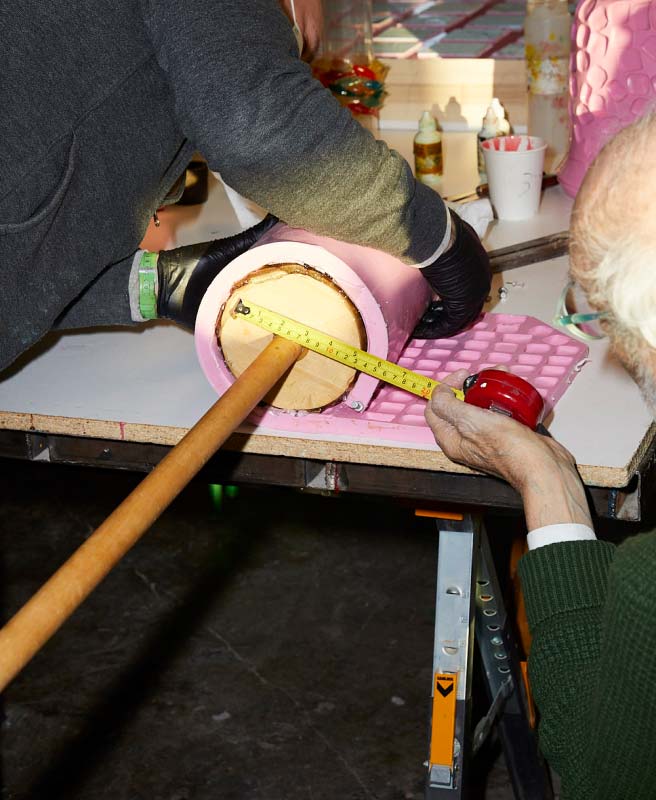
x=48, y=609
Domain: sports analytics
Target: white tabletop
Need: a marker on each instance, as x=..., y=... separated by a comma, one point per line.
x=145, y=385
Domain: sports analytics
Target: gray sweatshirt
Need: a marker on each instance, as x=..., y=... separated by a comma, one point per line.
x=101, y=108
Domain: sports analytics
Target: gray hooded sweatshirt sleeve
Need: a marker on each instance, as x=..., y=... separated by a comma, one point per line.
x=279, y=137
x=99, y=114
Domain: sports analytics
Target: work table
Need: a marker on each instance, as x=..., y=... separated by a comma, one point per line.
x=145, y=385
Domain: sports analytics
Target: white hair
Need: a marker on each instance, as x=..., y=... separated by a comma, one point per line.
x=626, y=277
x=613, y=246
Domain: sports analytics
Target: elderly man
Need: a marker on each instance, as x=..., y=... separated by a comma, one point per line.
x=590, y=604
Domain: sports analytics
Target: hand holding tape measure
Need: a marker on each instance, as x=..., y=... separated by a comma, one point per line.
x=491, y=389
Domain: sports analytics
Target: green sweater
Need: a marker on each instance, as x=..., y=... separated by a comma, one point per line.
x=592, y=611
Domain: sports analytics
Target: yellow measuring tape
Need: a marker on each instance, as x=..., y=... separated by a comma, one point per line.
x=344, y=353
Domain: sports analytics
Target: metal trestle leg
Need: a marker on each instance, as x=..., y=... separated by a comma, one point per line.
x=469, y=606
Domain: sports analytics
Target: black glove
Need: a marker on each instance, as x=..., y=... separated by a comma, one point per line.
x=462, y=278
x=185, y=273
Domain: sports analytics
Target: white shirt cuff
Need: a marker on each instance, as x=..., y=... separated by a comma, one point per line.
x=562, y=532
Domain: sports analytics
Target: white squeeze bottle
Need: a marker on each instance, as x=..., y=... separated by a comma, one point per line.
x=503, y=123
x=428, y=151
x=489, y=130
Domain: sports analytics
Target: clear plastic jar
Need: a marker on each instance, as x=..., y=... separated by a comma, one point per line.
x=547, y=29
x=346, y=64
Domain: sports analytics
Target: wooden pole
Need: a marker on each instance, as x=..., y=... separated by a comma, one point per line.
x=50, y=607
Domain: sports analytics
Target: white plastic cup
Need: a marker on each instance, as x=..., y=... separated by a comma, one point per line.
x=514, y=167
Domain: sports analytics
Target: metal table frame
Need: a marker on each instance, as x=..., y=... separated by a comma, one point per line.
x=629, y=503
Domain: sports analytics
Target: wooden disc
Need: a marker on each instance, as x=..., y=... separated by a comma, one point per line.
x=306, y=295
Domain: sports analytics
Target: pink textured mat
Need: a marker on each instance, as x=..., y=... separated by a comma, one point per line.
x=613, y=77
x=547, y=358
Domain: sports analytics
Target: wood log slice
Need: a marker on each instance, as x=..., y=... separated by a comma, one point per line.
x=308, y=296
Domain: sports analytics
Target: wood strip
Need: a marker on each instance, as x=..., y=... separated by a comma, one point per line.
x=298, y=447
x=531, y=252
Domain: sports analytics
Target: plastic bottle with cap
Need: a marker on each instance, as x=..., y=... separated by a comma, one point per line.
x=489, y=130
x=428, y=151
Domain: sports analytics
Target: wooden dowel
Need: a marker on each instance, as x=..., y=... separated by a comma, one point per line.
x=50, y=607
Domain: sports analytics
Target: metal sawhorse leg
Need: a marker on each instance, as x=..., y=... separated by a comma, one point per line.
x=469, y=605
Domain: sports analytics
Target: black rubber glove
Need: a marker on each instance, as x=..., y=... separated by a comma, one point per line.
x=184, y=274
x=462, y=278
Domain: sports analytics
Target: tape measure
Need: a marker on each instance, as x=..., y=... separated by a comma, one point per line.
x=344, y=353
x=491, y=389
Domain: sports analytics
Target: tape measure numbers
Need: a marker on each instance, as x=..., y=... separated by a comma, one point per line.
x=325, y=345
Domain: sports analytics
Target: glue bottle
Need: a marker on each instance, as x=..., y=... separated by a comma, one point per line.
x=489, y=130
x=428, y=151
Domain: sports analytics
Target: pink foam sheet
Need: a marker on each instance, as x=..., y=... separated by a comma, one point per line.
x=389, y=295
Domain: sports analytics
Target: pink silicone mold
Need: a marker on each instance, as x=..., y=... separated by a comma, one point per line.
x=612, y=77
x=389, y=295
x=548, y=359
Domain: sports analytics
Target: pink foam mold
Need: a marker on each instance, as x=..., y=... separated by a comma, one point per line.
x=612, y=77
x=389, y=295
x=543, y=355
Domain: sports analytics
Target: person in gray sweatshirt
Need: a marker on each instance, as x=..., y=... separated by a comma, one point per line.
x=101, y=109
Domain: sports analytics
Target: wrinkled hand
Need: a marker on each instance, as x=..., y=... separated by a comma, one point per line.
x=538, y=467
x=184, y=274
x=462, y=278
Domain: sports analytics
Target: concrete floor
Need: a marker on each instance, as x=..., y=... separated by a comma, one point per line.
x=278, y=648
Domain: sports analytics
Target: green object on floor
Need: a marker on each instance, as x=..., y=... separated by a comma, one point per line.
x=219, y=493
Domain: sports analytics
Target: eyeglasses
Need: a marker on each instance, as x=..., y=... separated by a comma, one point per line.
x=575, y=315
